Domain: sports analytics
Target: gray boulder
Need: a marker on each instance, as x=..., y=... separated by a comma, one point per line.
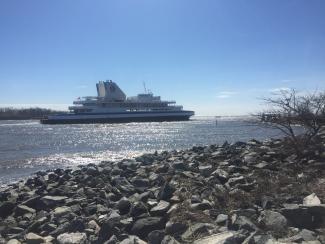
x=180, y=165
x=169, y=240
x=222, y=219
x=273, y=221
x=198, y=228
x=221, y=175
x=52, y=201
x=311, y=199
x=160, y=209
x=6, y=209
x=133, y=240
x=22, y=209
x=242, y=223
x=156, y=237
x=32, y=238
x=142, y=227
x=123, y=205
x=304, y=216
x=173, y=228
x=236, y=180
x=206, y=170
x=166, y=192
x=72, y=238
x=13, y=241
x=227, y=237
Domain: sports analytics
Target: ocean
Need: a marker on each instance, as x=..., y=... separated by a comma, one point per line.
x=28, y=146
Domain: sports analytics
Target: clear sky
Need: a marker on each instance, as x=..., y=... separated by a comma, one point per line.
x=217, y=57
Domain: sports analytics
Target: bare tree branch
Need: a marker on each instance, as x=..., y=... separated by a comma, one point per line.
x=289, y=110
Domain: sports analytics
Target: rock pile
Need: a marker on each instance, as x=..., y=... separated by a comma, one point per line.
x=250, y=193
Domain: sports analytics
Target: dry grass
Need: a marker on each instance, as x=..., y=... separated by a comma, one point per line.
x=184, y=213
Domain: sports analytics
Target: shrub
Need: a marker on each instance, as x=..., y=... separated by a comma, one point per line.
x=289, y=111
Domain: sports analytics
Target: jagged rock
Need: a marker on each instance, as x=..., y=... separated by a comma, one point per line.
x=160, y=209
x=261, y=165
x=266, y=202
x=196, y=199
x=32, y=238
x=126, y=223
x=52, y=201
x=72, y=238
x=2, y=240
x=222, y=219
x=14, y=230
x=140, y=183
x=307, y=235
x=250, y=238
x=49, y=228
x=236, y=180
x=206, y=170
x=152, y=202
x=312, y=199
x=169, y=240
x=204, y=205
x=273, y=221
x=37, y=224
x=180, y=165
x=92, y=224
x=61, y=211
x=109, y=226
x=22, y=209
x=13, y=241
x=312, y=242
x=157, y=179
x=35, y=203
x=221, y=175
x=198, y=228
x=142, y=227
x=156, y=237
x=48, y=239
x=60, y=229
x=123, y=185
x=112, y=240
x=6, y=209
x=138, y=209
x=304, y=216
x=265, y=239
x=173, y=228
x=242, y=222
x=133, y=240
x=92, y=170
x=221, y=238
x=166, y=192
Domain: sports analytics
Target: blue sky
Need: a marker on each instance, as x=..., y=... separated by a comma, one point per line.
x=217, y=57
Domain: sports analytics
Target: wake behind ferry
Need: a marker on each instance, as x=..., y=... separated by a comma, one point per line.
x=112, y=106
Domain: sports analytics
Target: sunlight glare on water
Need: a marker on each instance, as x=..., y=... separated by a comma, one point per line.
x=28, y=146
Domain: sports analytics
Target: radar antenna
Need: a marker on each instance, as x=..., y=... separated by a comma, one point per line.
x=144, y=86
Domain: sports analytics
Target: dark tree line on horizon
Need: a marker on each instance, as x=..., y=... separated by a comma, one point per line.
x=9, y=113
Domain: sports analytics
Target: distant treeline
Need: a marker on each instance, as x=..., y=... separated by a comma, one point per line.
x=25, y=113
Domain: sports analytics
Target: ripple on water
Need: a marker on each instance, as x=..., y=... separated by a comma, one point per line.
x=28, y=146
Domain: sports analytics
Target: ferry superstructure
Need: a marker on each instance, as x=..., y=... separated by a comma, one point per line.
x=112, y=106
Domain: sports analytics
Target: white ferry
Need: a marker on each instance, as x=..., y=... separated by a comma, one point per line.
x=112, y=106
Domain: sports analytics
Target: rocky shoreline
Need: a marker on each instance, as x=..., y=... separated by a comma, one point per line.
x=254, y=192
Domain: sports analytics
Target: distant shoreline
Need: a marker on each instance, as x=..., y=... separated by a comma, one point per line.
x=25, y=113
x=15, y=118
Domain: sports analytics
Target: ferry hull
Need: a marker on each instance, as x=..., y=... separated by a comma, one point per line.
x=125, y=119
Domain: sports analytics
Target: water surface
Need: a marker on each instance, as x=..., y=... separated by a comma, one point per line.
x=28, y=146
